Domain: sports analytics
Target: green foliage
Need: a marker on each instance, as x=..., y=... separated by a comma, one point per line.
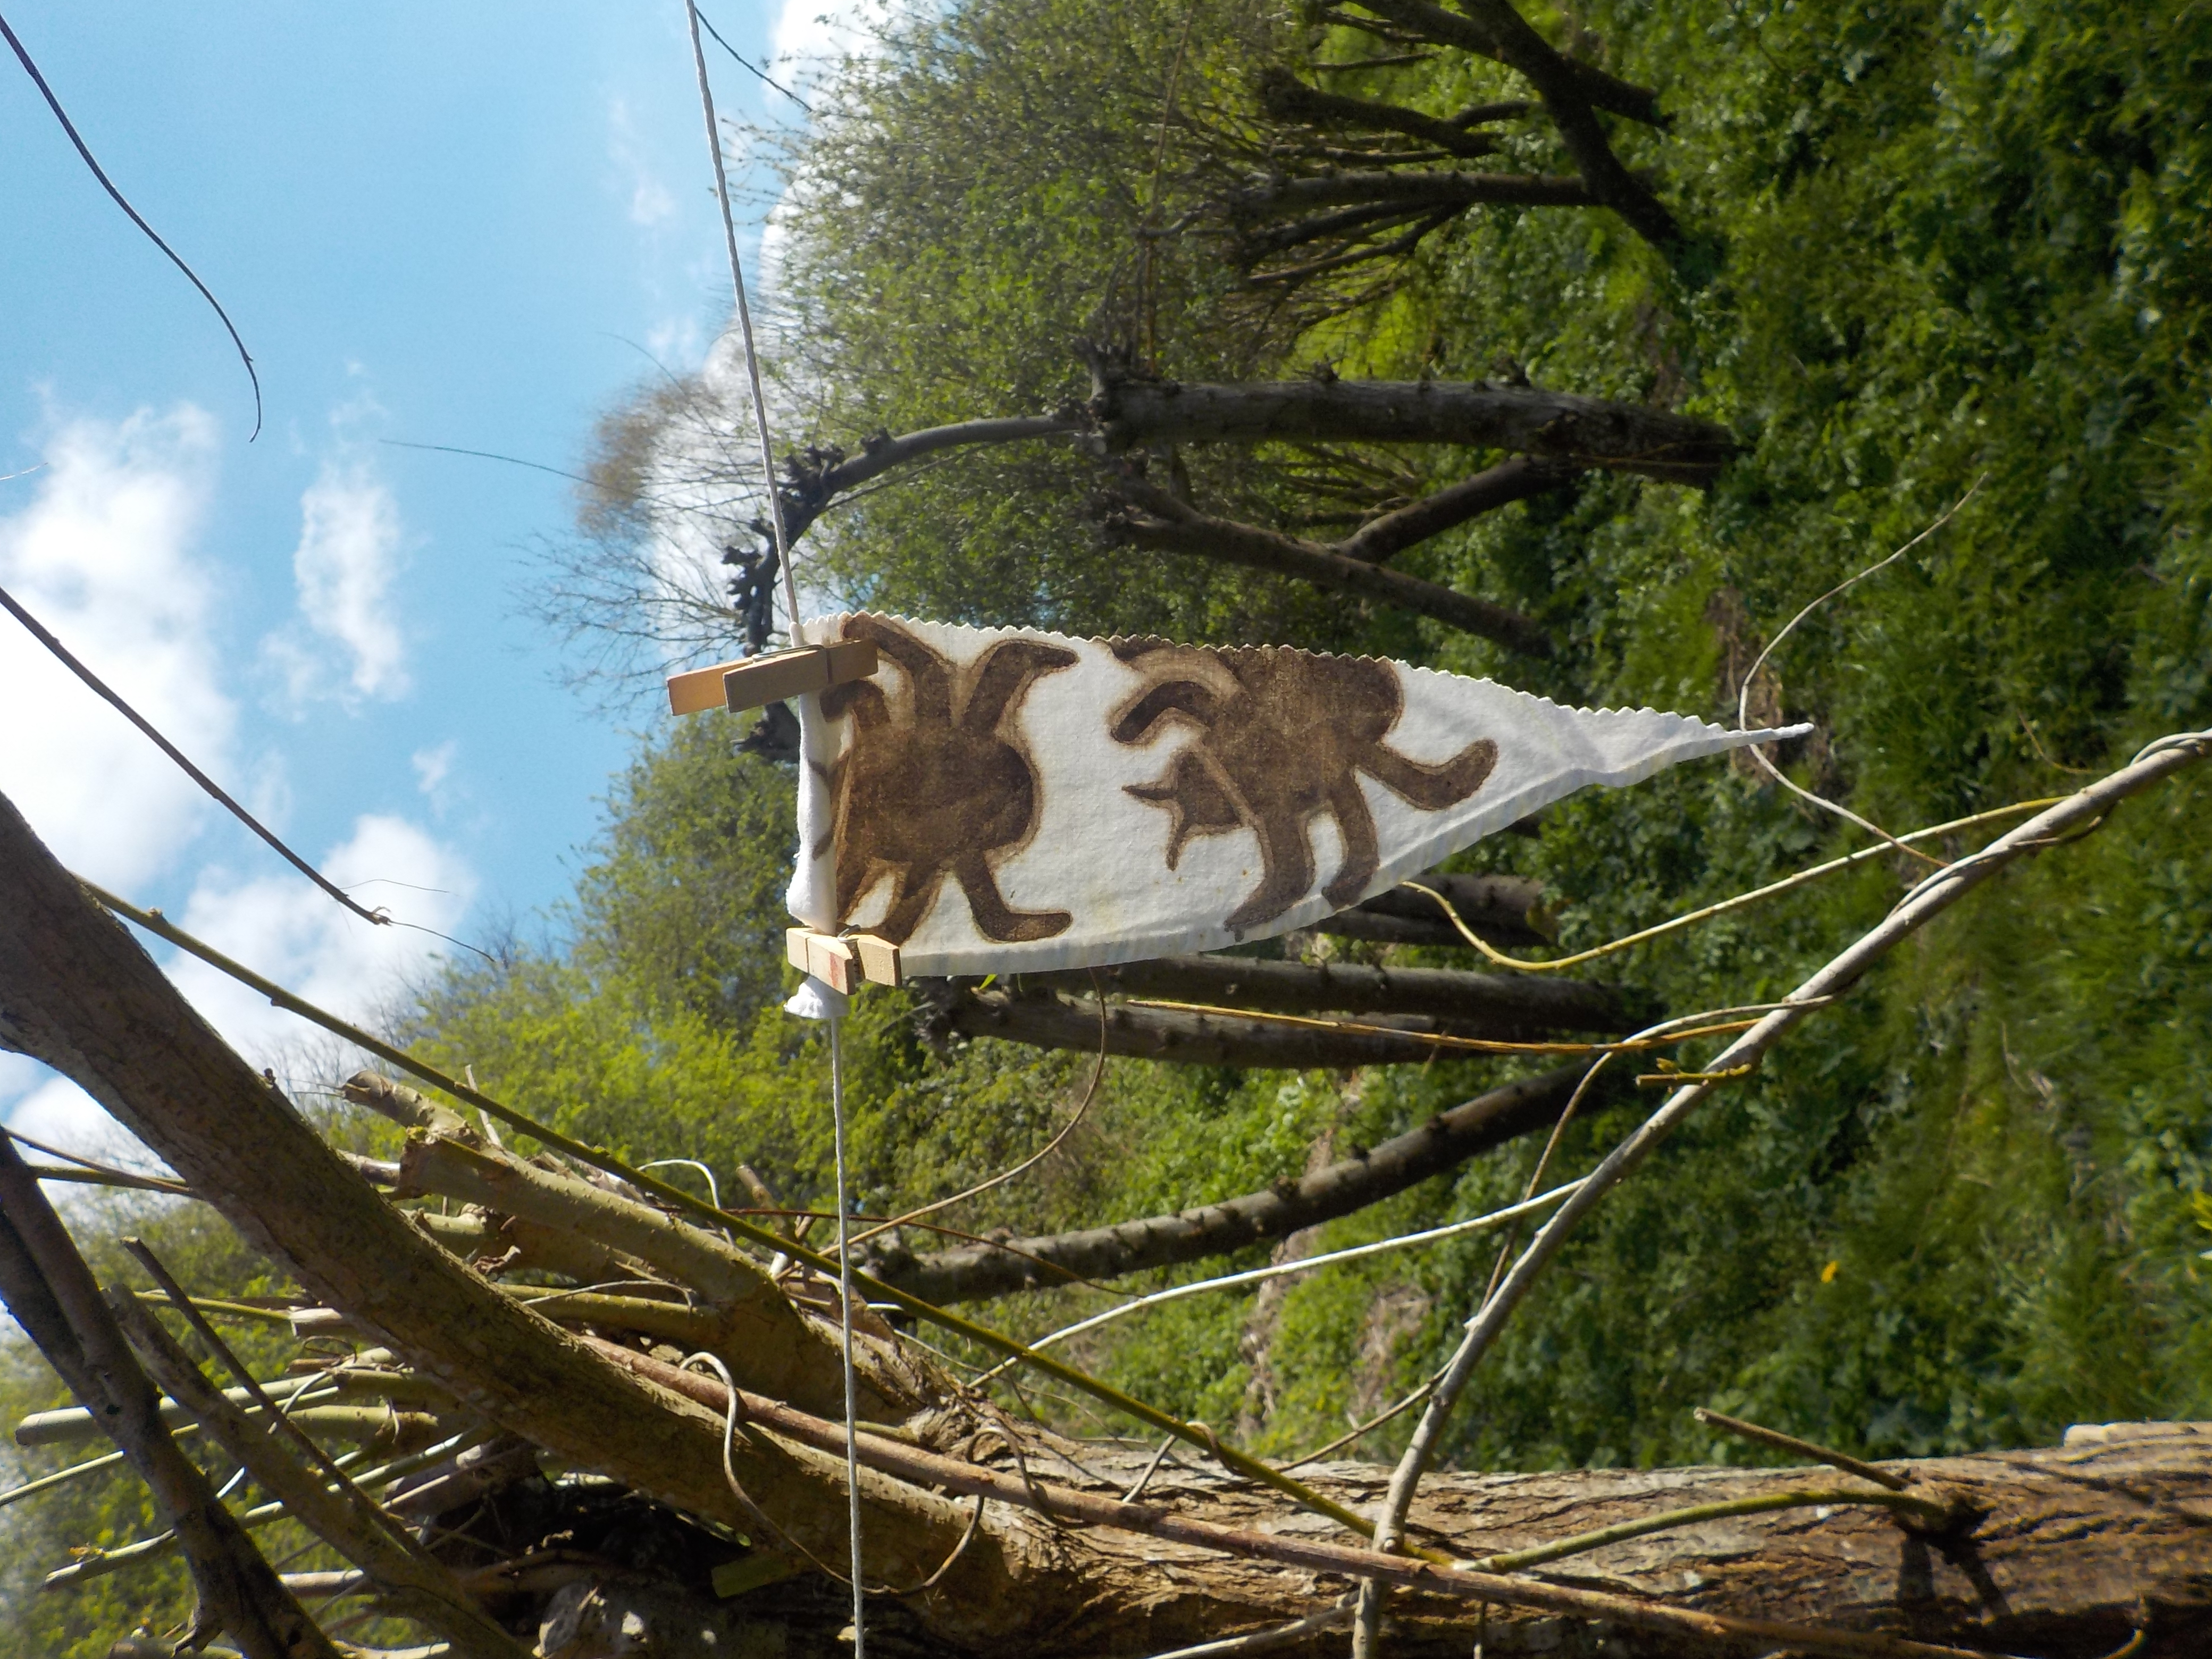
x=1931, y=244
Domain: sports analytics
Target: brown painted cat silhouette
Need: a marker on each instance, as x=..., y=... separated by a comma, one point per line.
x=932, y=793
x=1279, y=738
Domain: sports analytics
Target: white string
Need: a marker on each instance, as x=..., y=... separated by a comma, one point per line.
x=745, y=326
x=845, y=1312
x=791, y=607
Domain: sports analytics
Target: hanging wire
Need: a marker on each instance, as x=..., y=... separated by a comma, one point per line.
x=106, y=183
x=747, y=65
x=845, y=1332
x=101, y=687
x=745, y=327
x=798, y=637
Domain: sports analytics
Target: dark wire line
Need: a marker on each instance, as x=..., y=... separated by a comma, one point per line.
x=753, y=68
x=38, y=633
x=488, y=455
x=109, y=184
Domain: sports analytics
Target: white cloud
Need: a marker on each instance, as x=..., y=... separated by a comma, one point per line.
x=812, y=34
x=434, y=765
x=650, y=200
x=103, y=554
x=350, y=544
x=282, y=928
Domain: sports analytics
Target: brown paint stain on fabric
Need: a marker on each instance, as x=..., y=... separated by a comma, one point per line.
x=1279, y=738
x=940, y=785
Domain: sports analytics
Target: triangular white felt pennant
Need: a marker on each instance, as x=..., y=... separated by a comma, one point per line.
x=998, y=800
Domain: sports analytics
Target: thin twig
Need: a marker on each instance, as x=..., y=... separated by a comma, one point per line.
x=2158, y=762
x=750, y=68
x=1923, y=1508
x=1051, y=1146
x=1303, y=1265
x=1743, y=699
x=1790, y=1442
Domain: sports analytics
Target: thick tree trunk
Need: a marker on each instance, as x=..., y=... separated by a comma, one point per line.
x=1589, y=432
x=78, y=993
x=1443, y=1143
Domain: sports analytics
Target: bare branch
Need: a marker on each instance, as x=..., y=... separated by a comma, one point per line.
x=1516, y=479
x=1503, y=1005
x=1589, y=432
x=1443, y=1143
x=1495, y=29
x=55, y=1299
x=1156, y=520
x=411, y=1583
x=1284, y=96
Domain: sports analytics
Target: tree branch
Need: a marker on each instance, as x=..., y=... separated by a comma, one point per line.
x=1284, y=96
x=1443, y=1143
x=1436, y=26
x=1588, y=432
x=78, y=993
x=1182, y=1036
x=1509, y=1007
x=1409, y=191
x=412, y=1583
x=1514, y=479
x=55, y=1299
x=1156, y=520
x=1495, y=29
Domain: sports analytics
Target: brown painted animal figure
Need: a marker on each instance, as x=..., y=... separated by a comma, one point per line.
x=939, y=786
x=1279, y=738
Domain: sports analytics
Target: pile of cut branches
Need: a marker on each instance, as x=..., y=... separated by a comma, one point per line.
x=584, y=1412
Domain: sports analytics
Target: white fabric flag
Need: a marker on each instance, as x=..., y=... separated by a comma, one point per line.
x=1005, y=800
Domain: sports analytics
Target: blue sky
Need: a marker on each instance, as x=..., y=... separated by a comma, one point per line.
x=474, y=225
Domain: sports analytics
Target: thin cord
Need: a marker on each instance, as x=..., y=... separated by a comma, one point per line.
x=38, y=632
x=750, y=67
x=1743, y=700
x=155, y=236
x=746, y=326
x=845, y=1322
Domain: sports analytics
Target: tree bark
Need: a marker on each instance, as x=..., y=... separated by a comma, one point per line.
x=78, y=993
x=1182, y=1037
x=1445, y=1141
x=52, y=1294
x=1587, y=432
x=1508, y=1006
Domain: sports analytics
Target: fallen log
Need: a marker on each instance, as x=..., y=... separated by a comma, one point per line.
x=1509, y=1007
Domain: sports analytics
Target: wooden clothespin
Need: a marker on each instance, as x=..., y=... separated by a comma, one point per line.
x=843, y=962
x=757, y=681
